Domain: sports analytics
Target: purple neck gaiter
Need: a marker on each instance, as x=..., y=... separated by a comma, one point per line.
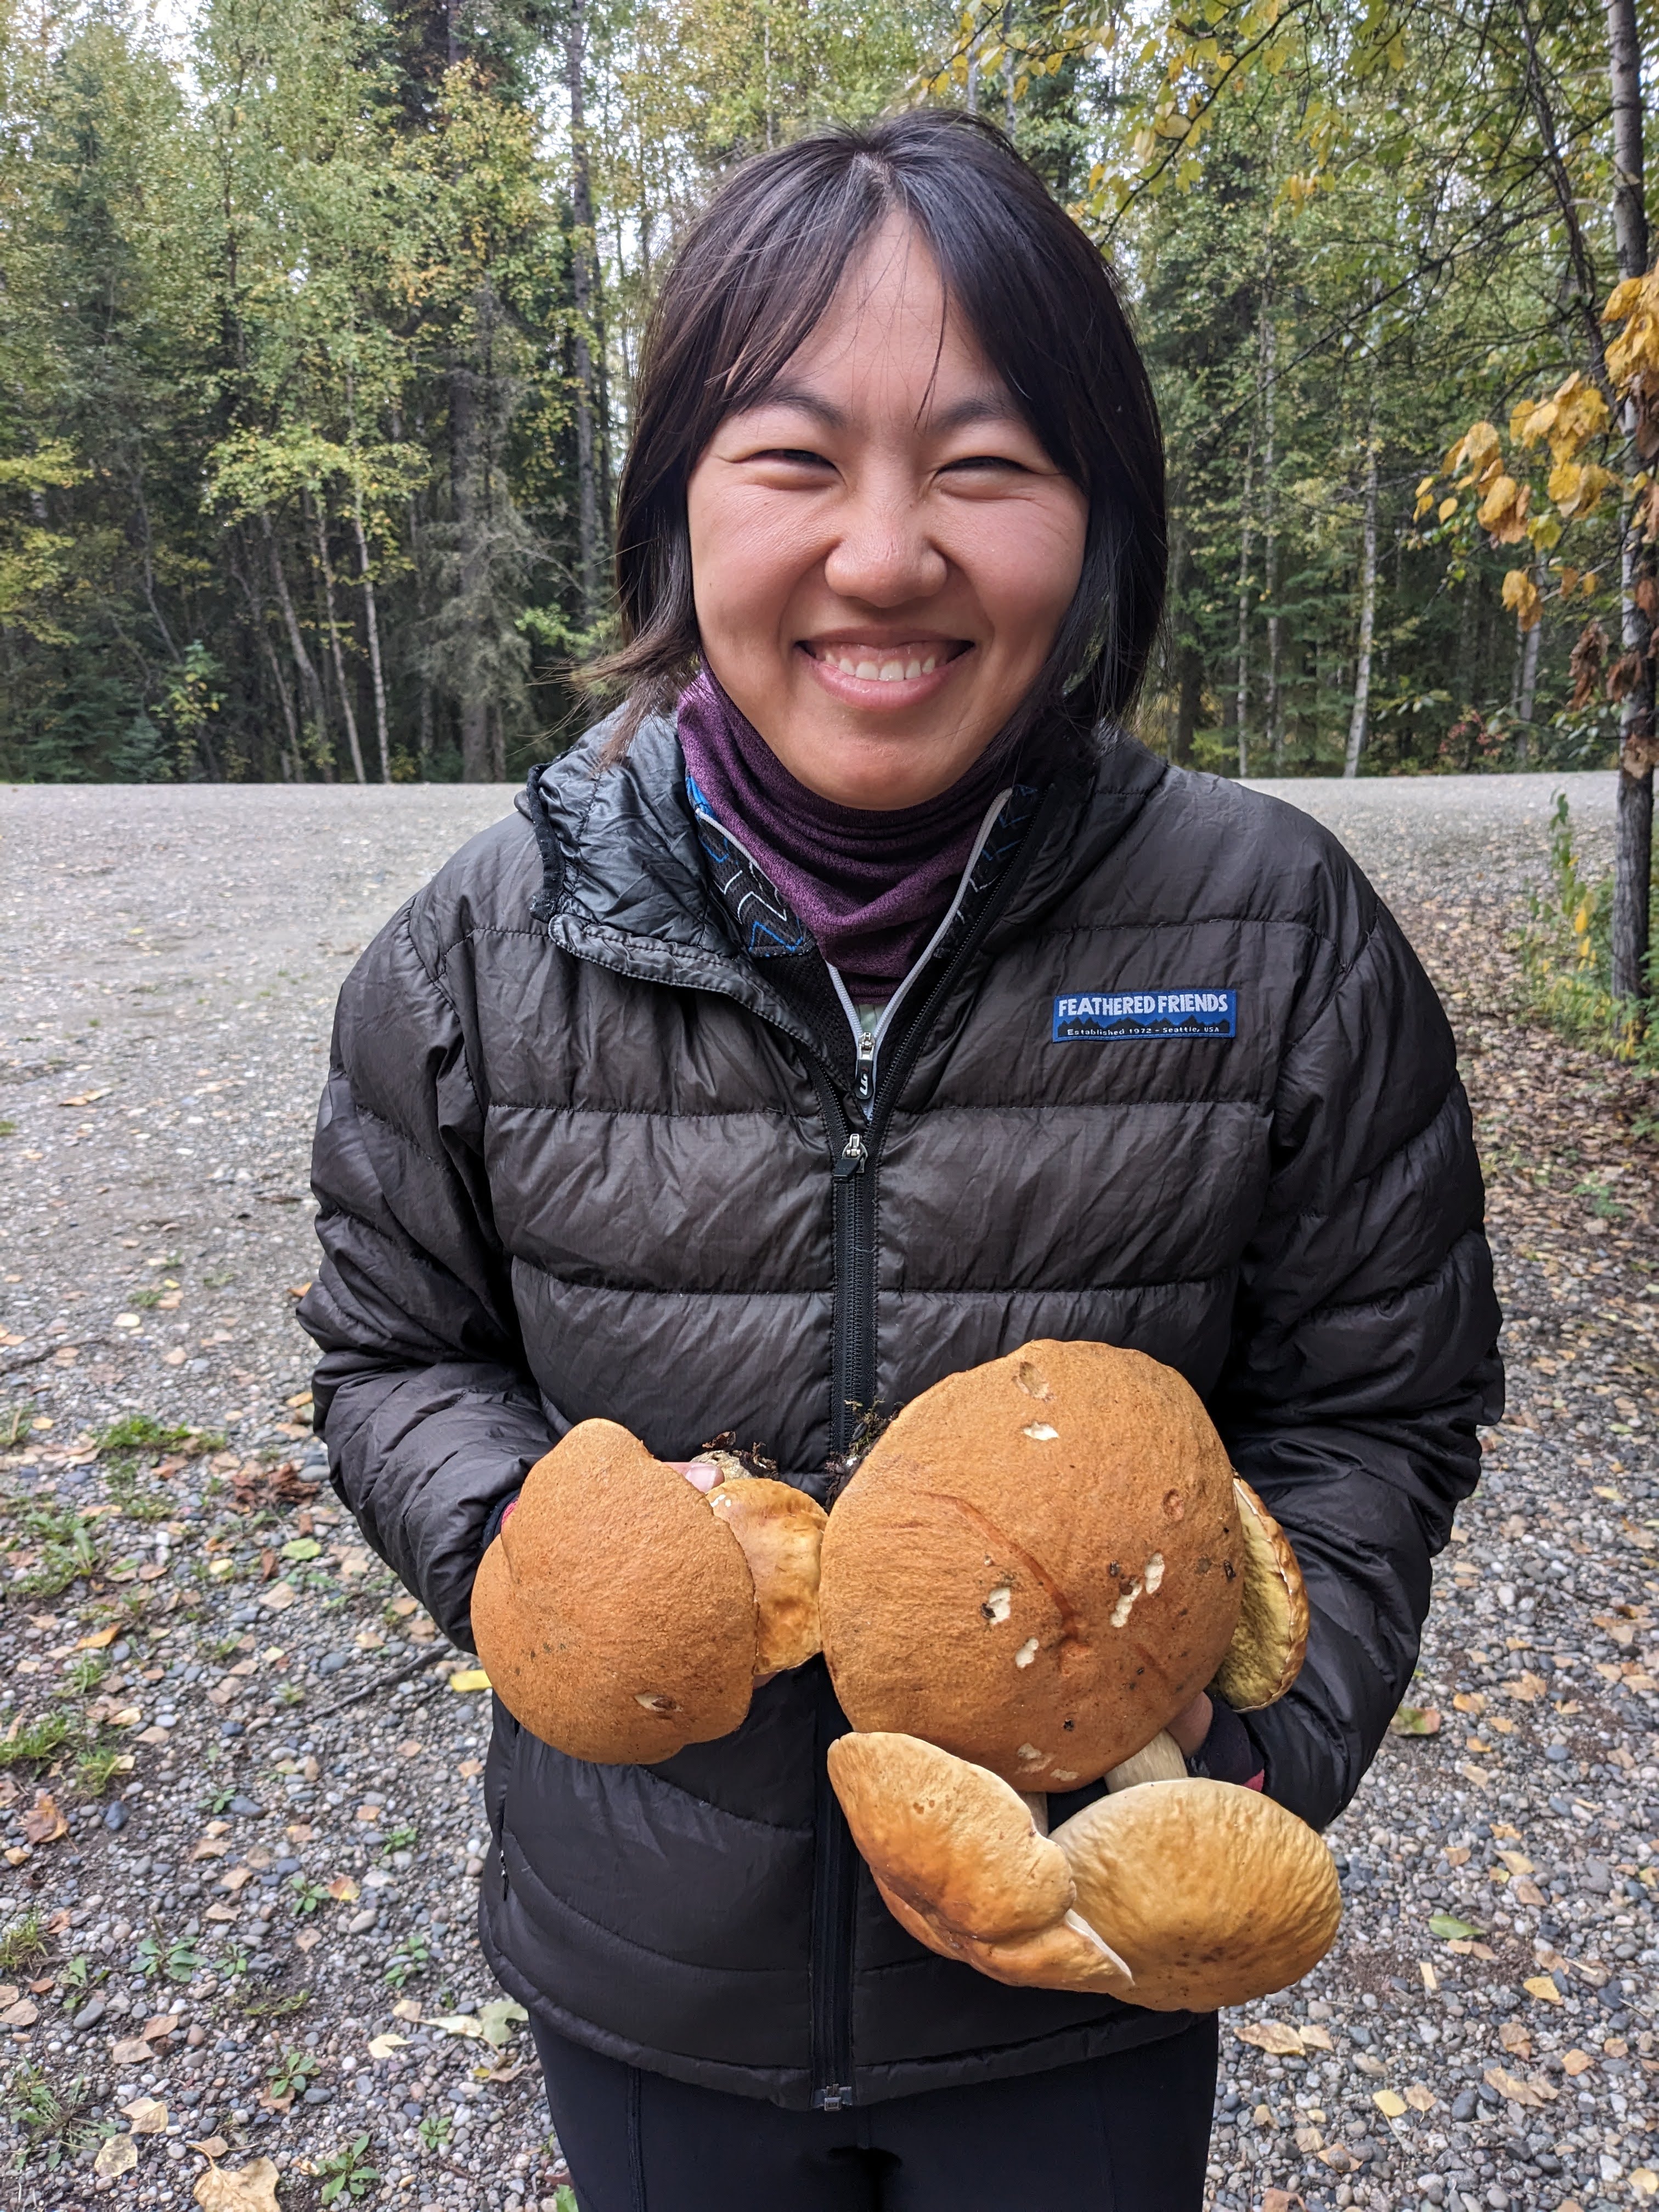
x=870, y=887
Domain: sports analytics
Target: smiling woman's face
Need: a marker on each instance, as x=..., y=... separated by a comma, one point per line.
x=881, y=551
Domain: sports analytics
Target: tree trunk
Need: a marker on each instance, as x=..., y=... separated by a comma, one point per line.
x=310, y=686
x=372, y=620
x=1362, y=675
x=1274, y=708
x=1528, y=691
x=1633, y=840
x=584, y=287
x=1242, y=710
x=334, y=642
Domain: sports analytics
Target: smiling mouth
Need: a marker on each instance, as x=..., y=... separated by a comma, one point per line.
x=901, y=663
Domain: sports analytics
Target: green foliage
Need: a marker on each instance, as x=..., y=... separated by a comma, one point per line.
x=34, y=1743
x=294, y=2074
x=346, y=2175
x=45, y=2114
x=410, y=1960
x=136, y=1432
x=60, y=1549
x=1567, y=953
x=24, y=1944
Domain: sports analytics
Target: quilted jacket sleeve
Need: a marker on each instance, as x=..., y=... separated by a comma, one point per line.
x=1365, y=1352
x=422, y=1392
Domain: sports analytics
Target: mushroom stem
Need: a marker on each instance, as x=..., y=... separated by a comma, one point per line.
x=1037, y=1802
x=1161, y=1760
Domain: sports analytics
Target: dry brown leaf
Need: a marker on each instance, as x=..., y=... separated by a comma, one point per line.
x=1275, y=2036
x=117, y=2154
x=1574, y=2062
x=210, y=2146
x=131, y=2051
x=149, y=2115
x=1514, y=2037
x=20, y=2014
x=42, y=1823
x=251, y=2188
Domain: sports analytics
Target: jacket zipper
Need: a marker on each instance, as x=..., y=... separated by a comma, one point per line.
x=856, y=1151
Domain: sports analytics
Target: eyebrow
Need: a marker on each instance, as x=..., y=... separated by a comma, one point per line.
x=979, y=407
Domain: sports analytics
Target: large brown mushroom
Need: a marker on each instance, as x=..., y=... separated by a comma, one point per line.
x=1042, y=1561
x=622, y=1613
x=1176, y=1895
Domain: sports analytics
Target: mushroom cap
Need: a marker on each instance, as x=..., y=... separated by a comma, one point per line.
x=1174, y=1895
x=1213, y=1895
x=782, y=1532
x=614, y=1613
x=1037, y=1564
x=950, y=1840
x=1270, y=1641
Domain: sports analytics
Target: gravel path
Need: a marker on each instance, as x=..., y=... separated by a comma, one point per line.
x=239, y=1798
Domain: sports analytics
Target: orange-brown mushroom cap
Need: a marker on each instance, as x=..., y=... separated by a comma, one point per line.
x=615, y=1614
x=1036, y=1565
x=1173, y=1895
x=782, y=1532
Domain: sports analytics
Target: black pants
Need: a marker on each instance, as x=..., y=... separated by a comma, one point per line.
x=1127, y=2134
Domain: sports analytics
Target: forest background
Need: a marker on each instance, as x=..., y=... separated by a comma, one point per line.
x=318, y=321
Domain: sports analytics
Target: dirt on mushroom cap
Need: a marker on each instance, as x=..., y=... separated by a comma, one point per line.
x=1037, y=1564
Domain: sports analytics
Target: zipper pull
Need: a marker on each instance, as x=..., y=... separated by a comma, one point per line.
x=852, y=1157
x=866, y=1063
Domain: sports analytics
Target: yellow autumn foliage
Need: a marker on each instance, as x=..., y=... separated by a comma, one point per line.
x=1521, y=598
x=1635, y=352
x=1503, y=512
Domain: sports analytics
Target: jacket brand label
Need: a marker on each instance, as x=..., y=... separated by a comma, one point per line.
x=1108, y=1016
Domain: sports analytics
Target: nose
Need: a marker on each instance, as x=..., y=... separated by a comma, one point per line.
x=883, y=554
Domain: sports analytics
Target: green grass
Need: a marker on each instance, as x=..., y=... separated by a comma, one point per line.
x=16, y=1423
x=36, y=1743
x=46, y=2119
x=96, y=1768
x=139, y=1433
x=24, y=1943
x=66, y=1551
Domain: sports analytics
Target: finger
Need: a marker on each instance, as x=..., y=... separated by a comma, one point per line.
x=701, y=1473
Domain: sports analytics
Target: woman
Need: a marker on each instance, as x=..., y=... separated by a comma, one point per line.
x=859, y=1004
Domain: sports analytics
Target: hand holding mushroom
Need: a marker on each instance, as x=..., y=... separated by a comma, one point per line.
x=1037, y=1565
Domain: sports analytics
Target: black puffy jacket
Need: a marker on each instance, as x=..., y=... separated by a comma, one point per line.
x=1176, y=1081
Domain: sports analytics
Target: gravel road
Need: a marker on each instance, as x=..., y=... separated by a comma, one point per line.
x=238, y=1796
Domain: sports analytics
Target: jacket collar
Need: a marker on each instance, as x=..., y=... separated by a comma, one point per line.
x=625, y=884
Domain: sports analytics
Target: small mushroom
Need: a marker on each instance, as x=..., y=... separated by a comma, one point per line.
x=1271, y=1640
x=620, y=1614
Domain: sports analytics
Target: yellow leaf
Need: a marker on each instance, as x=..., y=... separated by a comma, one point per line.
x=382, y=2046
x=1541, y=1987
x=118, y=2155
x=149, y=2115
x=1447, y=508
x=469, y=1678
x=1517, y=1862
x=1389, y=2102
x=1574, y=2062
x=1520, y=597
x=343, y=1889
x=1419, y=2098
x=1503, y=510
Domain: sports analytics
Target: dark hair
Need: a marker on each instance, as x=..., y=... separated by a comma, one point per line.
x=752, y=279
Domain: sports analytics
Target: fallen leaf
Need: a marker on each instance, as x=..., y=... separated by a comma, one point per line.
x=1528, y=1689
x=499, y=2074
x=210, y=2146
x=382, y=2046
x=100, y=1639
x=160, y=2024
x=278, y=1597
x=117, y=2154
x=247, y=2189
x=1575, y=2063
x=1275, y=2036
x=301, y=1547
x=149, y=2115
x=131, y=2051
x=1526, y=1892
x=1541, y=1987
x=1315, y=2037
x=1517, y=1862
x=1514, y=2037
x=1389, y=2103
x=471, y=1768
x=1451, y=1928
x=211, y=1847
x=406, y=2008
x=1644, y=2181
x=456, y=2023
x=1415, y=1720
x=343, y=1890
x=1419, y=2098
x=1469, y=1701
x=1529, y=2095
x=23, y=2014
x=500, y=2016
x=308, y=1940
x=42, y=1823
x=469, y=1678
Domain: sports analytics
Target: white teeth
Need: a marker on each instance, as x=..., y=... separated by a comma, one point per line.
x=886, y=671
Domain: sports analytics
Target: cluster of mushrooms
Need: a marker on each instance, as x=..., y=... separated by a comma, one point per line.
x=1037, y=1564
